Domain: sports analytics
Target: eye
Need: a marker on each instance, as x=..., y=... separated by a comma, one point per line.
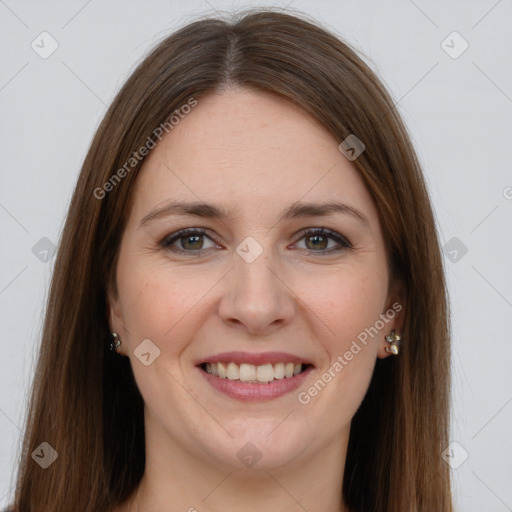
x=189, y=241
x=317, y=240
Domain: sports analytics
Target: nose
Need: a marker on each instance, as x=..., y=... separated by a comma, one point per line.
x=255, y=297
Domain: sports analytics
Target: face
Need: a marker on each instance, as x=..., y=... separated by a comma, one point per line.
x=253, y=276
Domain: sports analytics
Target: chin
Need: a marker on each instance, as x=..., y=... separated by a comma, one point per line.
x=258, y=447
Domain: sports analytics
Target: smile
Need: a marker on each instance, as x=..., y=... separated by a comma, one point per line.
x=250, y=377
x=246, y=372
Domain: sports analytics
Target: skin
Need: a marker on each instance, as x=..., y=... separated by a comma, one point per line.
x=252, y=154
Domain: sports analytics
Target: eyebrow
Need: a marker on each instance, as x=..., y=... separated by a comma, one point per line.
x=296, y=210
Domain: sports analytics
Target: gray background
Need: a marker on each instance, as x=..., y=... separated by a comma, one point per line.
x=457, y=109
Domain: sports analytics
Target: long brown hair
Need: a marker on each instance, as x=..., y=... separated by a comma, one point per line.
x=85, y=402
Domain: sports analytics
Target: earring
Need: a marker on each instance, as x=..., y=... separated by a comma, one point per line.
x=115, y=342
x=394, y=341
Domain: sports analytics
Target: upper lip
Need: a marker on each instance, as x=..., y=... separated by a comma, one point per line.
x=256, y=359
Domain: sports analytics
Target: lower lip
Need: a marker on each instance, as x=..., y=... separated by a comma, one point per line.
x=261, y=392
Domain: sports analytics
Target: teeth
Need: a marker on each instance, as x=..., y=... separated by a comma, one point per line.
x=251, y=373
x=222, y=370
x=279, y=371
x=265, y=373
x=233, y=371
x=247, y=372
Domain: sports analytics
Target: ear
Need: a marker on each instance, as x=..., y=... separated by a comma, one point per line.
x=115, y=318
x=394, y=313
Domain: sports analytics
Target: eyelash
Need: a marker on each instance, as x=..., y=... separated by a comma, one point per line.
x=170, y=239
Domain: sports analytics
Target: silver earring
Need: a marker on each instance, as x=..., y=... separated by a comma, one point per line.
x=394, y=342
x=115, y=343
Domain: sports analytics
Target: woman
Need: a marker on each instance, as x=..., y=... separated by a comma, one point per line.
x=248, y=309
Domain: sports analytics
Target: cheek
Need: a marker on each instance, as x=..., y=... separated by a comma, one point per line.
x=161, y=306
x=347, y=303
x=154, y=301
x=348, y=306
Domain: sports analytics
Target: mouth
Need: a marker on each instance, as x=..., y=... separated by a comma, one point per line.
x=255, y=377
x=254, y=374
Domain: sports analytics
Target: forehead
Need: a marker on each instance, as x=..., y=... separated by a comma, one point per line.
x=248, y=150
